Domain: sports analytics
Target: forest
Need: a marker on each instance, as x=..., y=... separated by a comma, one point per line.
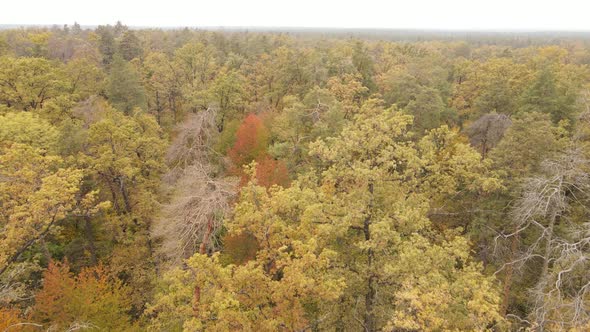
x=210, y=180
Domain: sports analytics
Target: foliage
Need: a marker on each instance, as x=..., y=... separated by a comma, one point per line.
x=28, y=83
x=383, y=180
x=251, y=141
x=91, y=298
x=124, y=87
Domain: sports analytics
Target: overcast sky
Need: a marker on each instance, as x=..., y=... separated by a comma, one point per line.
x=407, y=14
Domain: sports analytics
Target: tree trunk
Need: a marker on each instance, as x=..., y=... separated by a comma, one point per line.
x=125, y=195
x=508, y=277
x=158, y=109
x=370, y=324
x=114, y=197
x=90, y=238
x=202, y=251
x=540, y=321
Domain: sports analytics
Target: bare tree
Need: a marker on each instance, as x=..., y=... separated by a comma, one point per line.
x=560, y=243
x=487, y=131
x=192, y=143
x=195, y=214
x=200, y=200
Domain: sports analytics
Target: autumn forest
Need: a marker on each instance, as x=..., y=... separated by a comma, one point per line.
x=234, y=180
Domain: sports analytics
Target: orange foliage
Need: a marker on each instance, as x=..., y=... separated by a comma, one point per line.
x=58, y=285
x=10, y=317
x=91, y=297
x=251, y=141
x=270, y=172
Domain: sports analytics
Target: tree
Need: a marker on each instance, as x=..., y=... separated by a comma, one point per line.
x=91, y=298
x=376, y=208
x=227, y=90
x=86, y=77
x=127, y=155
x=301, y=122
x=124, y=88
x=544, y=96
x=28, y=129
x=37, y=191
x=106, y=43
x=27, y=83
x=251, y=141
x=194, y=217
x=273, y=76
x=427, y=110
x=201, y=199
x=271, y=172
x=162, y=85
x=362, y=61
x=125, y=158
x=544, y=217
x=526, y=143
x=494, y=85
x=486, y=132
x=130, y=46
x=350, y=91
x=196, y=62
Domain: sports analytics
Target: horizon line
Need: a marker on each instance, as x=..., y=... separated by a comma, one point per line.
x=286, y=28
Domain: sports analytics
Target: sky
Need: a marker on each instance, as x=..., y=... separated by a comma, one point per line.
x=408, y=14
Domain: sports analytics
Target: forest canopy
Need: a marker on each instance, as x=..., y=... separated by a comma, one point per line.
x=201, y=180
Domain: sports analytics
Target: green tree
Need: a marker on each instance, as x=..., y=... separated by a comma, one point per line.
x=130, y=46
x=228, y=91
x=427, y=110
x=363, y=62
x=544, y=96
x=106, y=43
x=375, y=210
x=124, y=88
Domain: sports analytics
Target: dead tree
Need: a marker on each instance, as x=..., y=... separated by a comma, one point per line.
x=556, y=241
x=196, y=212
x=487, y=131
x=192, y=143
x=200, y=199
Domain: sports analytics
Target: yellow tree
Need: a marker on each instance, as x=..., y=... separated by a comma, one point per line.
x=27, y=83
x=279, y=290
x=379, y=186
x=127, y=154
x=126, y=157
x=37, y=187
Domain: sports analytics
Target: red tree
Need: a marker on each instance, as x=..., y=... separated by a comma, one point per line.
x=270, y=172
x=251, y=141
